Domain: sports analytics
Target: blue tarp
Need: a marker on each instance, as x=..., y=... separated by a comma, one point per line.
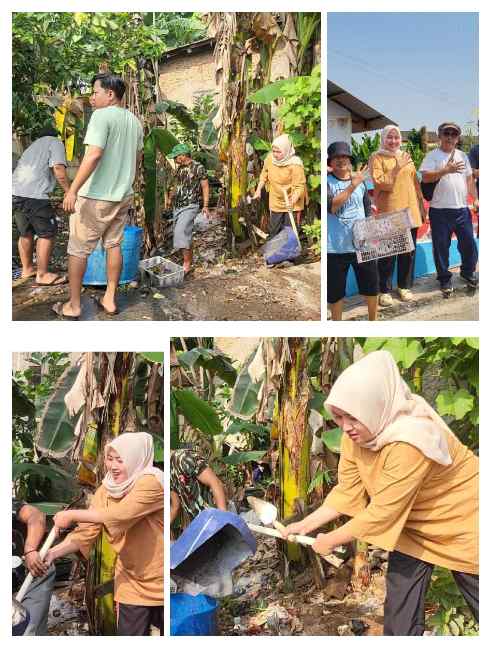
x=213, y=544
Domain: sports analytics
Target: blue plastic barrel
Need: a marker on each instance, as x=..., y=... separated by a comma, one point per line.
x=193, y=615
x=95, y=274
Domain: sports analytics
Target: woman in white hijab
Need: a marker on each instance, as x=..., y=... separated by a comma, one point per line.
x=283, y=171
x=128, y=506
x=407, y=483
x=396, y=187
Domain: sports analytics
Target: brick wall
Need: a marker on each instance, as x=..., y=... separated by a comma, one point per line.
x=188, y=76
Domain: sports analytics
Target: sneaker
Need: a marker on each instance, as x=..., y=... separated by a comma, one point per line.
x=471, y=279
x=405, y=294
x=385, y=299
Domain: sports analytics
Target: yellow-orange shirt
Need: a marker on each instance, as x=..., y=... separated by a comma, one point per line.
x=277, y=178
x=399, y=499
x=400, y=193
x=135, y=528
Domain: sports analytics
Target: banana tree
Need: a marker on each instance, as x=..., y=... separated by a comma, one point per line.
x=238, y=35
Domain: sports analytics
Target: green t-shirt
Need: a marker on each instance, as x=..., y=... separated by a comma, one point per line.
x=120, y=134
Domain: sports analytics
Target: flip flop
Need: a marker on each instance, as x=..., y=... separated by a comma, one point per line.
x=58, y=310
x=101, y=305
x=59, y=280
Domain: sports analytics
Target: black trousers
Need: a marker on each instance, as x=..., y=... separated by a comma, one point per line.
x=135, y=620
x=277, y=221
x=407, y=582
x=405, y=268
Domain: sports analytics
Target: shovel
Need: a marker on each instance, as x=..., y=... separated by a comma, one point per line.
x=42, y=553
x=268, y=513
x=292, y=218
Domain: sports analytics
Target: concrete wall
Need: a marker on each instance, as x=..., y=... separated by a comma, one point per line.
x=338, y=123
x=189, y=76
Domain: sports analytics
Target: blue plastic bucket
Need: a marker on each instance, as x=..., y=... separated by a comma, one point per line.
x=95, y=274
x=193, y=615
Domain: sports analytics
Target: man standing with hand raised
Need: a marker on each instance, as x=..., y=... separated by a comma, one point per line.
x=449, y=212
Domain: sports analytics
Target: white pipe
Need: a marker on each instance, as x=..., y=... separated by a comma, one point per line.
x=300, y=539
x=42, y=553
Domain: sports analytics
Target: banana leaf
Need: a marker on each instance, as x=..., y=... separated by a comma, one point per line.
x=50, y=508
x=140, y=383
x=237, y=458
x=55, y=434
x=197, y=412
x=270, y=92
x=174, y=423
x=153, y=357
x=244, y=402
x=178, y=111
x=21, y=405
x=317, y=403
x=41, y=470
x=159, y=139
x=208, y=136
x=332, y=439
x=158, y=448
x=212, y=360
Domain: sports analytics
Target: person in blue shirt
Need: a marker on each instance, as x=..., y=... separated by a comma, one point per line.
x=347, y=201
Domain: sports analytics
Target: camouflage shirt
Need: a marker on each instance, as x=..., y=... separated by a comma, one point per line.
x=185, y=468
x=187, y=181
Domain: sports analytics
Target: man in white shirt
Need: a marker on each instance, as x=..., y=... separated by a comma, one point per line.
x=449, y=212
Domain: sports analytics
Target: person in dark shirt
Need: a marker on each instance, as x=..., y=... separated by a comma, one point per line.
x=28, y=530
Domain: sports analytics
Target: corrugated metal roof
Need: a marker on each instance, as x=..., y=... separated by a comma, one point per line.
x=363, y=116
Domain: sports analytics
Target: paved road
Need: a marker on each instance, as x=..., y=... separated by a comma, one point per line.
x=460, y=307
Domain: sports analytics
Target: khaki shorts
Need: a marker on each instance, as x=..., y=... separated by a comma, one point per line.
x=94, y=220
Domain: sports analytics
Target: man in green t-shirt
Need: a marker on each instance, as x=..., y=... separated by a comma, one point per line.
x=102, y=192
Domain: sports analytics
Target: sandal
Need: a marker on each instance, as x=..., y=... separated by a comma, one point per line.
x=58, y=310
x=101, y=306
x=59, y=280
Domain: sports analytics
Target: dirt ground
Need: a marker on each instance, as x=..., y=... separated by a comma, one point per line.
x=67, y=616
x=220, y=288
x=268, y=604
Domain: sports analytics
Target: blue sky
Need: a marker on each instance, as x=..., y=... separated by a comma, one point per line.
x=415, y=68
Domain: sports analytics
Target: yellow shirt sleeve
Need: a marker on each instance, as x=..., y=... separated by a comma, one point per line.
x=400, y=480
x=349, y=495
x=145, y=497
x=383, y=180
x=86, y=533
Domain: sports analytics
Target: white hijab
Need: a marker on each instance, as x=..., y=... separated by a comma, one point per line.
x=288, y=157
x=382, y=150
x=373, y=392
x=136, y=451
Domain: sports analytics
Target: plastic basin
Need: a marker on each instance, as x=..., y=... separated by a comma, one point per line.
x=95, y=274
x=193, y=615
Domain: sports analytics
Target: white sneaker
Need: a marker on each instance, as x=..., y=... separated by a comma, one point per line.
x=385, y=299
x=405, y=294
